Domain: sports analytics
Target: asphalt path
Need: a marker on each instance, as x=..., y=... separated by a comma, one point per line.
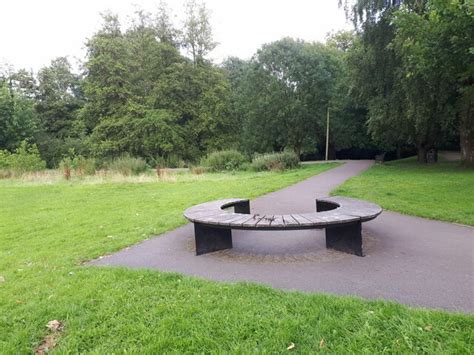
x=410, y=260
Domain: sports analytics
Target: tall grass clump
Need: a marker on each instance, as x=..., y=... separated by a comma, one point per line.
x=224, y=160
x=78, y=165
x=127, y=165
x=171, y=161
x=275, y=161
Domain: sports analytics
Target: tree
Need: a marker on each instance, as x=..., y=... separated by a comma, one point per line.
x=436, y=47
x=106, y=83
x=197, y=33
x=401, y=109
x=284, y=94
x=18, y=119
x=59, y=98
x=146, y=99
x=165, y=31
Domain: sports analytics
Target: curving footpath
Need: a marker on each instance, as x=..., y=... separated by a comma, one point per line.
x=410, y=260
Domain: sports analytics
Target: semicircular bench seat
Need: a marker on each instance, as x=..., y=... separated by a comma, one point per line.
x=342, y=218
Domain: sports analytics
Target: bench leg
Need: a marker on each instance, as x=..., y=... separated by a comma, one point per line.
x=346, y=238
x=242, y=207
x=209, y=239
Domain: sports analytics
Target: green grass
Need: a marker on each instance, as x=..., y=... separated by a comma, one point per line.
x=48, y=230
x=443, y=191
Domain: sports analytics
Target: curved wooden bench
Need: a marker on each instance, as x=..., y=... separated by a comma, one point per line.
x=342, y=218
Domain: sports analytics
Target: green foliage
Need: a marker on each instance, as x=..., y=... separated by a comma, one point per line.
x=25, y=158
x=18, y=119
x=224, y=160
x=412, y=68
x=281, y=98
x=146, y=99
x=5, y=159
x=171, y=161
x=127, y=165
x=435, y=49
x=197, y=32
x=275, y=161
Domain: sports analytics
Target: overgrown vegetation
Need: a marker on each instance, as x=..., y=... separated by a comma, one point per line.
x=443, y=191
x=275, y=161
x=127, y=165
x=47, y=231
x=224, y=160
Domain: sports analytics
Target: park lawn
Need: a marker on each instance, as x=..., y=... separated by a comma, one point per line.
x=48, y=230
x=442, y=191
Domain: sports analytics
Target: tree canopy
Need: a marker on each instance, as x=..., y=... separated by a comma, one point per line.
x=402, y=79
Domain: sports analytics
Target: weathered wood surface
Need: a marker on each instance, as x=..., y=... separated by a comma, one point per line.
x=346, y=210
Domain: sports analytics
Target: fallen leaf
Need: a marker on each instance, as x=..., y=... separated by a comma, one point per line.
x=429, y=327
x=2, y=279
x=48, y=343
x=291, y=346
x=55, y=325
x=322, y=343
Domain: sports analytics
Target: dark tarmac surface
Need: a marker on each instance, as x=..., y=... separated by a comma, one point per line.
x=410, y=260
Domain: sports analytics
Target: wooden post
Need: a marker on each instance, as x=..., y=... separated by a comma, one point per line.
x=327, y=136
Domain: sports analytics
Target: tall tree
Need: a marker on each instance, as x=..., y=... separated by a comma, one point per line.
x=436, y=47
x=284, y=95
x=18, y=119
x=380, y=73
x=197, y=33
x=59, y=97
x=146, y=99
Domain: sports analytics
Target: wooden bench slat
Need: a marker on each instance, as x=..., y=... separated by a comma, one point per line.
x=347, y=210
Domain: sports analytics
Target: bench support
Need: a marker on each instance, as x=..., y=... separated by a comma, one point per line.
x=346, y=238
x=242, y=207
x=209, y=239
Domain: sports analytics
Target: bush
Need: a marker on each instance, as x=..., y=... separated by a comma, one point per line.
x=275, y=161
x=25, y=158
x=224, y=160
x=5, y=159
x=127, y=165
x=172, y=161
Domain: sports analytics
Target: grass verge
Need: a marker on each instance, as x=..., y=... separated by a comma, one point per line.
x=442, y=191
x=47, y=230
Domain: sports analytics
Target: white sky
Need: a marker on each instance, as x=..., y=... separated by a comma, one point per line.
x=32, y=32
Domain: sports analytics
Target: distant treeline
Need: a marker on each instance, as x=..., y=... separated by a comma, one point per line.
x=401, y=80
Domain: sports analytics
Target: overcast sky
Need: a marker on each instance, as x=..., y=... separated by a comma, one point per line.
x=32, y=32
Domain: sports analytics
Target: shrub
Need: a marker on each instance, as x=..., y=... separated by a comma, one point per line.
x=5, y=159
x=275, y=161
x=127, y=165
x=224, y=160
x=172, y=161
x=25, y=158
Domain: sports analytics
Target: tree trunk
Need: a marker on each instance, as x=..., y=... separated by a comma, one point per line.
x=399, y=151
x=421, y=154
x=467, y=137
x=332, y=151
x=427, y=153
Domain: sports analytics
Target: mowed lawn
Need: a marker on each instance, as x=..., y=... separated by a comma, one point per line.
x=48, y=230
x=443, y=191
